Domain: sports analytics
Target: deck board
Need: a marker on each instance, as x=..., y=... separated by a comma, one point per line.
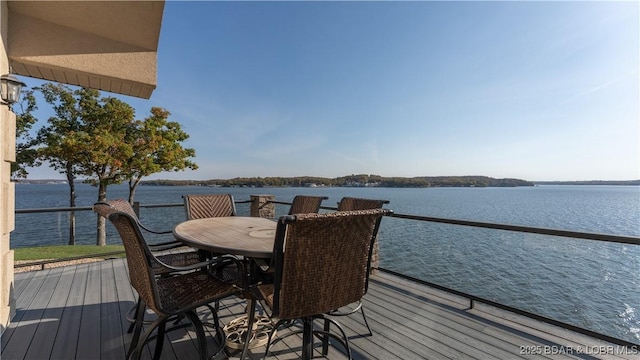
x=23, y=285
x=52, y=313
x=126, y=300
x=89, y=346
x=112, y=340
x=78, y=312
x=69, y=325
x=440, y=322
x=29, y=318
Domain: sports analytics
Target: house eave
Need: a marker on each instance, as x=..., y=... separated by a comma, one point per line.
x=106, y=45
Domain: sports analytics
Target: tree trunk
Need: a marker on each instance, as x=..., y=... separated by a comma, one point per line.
x=72, y=203
x=101, y=231
x=133, y=185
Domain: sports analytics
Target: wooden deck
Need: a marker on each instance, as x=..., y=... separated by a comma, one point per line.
x=78, y=312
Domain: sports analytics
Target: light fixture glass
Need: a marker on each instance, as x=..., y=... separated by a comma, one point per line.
x=10, y=88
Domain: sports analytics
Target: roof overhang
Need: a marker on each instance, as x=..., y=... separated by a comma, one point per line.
x=105, y=45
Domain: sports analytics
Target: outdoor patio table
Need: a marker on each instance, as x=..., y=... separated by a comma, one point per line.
x=249, y=237
x=235, y=235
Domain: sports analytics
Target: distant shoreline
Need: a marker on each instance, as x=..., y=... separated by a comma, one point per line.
x=354, y=181
x=591, y=182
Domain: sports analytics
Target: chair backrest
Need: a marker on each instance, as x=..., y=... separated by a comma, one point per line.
x=322, y=261
x=139, y=258
x=201, y=206
x=124, y=206
x=305, y=204
x=352, y=203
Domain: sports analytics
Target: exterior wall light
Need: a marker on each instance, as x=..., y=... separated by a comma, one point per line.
x=10, y=88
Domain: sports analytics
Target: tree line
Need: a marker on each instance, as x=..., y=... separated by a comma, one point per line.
x=352, y=180
x=98, y=140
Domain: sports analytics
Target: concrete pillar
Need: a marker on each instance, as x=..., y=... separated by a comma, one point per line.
x=262, y=206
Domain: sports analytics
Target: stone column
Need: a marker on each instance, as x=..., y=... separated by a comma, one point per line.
x=7, y=154
x=262, y=206
x=7, y=207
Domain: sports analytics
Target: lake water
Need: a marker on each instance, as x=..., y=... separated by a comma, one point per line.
x=590, y=284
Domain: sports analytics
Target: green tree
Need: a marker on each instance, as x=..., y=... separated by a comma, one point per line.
x=104, y=147
x=156, y=144
x=86, y=138
x=59, y=138
x=26, y=152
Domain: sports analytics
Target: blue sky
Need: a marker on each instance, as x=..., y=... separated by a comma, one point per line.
x=530, y=90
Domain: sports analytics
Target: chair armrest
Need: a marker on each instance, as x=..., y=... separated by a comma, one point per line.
x=197, y=266
x=167, y=245
x=154, y=231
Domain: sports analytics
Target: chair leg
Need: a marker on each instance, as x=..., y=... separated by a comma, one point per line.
x=137, y=352
x=251, y=315
x=307, y=338
x=365, y=320
x=137, y=343
x=325, y=339
x=360, y=307
x=137, y=328
x=273, y=331
x=325, y=334
x=135, y=316
x=200, y=335
x=159, y=340
x=136, y=312
x=216, y=321
x=344, y=335
x=308, y=333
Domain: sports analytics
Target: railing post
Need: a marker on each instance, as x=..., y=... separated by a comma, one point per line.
x=375, y=257
x=262, y=206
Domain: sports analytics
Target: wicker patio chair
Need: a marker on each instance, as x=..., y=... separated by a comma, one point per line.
x=200, y=206
x=180, y=256
x=350, y=204
x=321, y=263
x=301, y=204
x=305, y=204
x=169, y=297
